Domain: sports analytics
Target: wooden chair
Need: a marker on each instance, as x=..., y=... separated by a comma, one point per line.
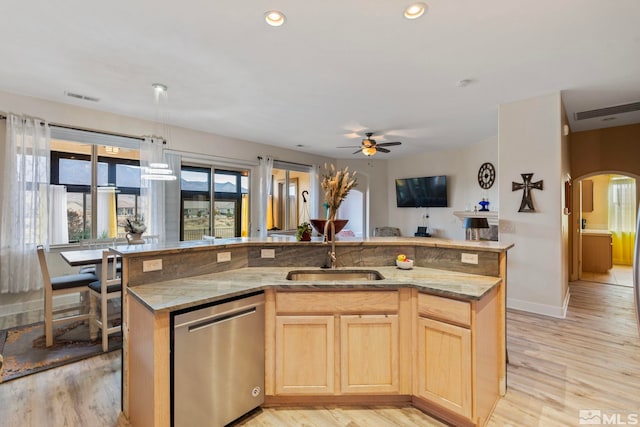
x=101, y=291
x=61, y=285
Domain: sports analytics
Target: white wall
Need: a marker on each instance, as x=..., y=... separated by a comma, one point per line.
x=373, y=183
x=461, y=168
x=531, y=142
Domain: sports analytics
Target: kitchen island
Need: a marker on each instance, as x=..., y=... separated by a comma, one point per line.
x=398, y=321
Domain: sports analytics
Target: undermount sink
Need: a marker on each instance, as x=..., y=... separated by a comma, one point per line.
x=330, y=275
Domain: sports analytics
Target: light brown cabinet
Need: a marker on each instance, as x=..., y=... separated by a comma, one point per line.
x=597, y=256
x=369, y=354
x=336, y=343
x=456, y=353
x=444, y=365
x=304, y=355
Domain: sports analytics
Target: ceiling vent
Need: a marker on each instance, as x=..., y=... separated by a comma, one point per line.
x=608, y=111
x=82, y=97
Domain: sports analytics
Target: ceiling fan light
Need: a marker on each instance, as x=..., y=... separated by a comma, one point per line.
x=369, y=151
x=414, y=11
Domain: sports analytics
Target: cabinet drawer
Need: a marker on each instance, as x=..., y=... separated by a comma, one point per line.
x=446, y=309
x=361, y=302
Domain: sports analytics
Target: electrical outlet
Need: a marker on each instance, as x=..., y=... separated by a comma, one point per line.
x=267, y=253
x=469, y=258
x=152, y=265
x=224, y=256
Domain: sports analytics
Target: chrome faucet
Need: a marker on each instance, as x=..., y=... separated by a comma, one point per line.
x=332, y=252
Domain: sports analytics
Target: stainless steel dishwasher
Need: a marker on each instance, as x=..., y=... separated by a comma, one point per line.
x=218, y=362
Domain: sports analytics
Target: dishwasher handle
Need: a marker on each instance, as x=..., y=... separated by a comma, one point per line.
x=221, y=319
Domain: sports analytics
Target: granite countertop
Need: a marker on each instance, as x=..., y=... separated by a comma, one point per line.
x=158, y=248
x=190, y=292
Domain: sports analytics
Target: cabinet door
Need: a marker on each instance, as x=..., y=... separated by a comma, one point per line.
x=304, y=354
x=444, y=365
x=369, y=354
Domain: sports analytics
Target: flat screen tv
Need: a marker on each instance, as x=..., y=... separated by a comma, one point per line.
x=424, y=192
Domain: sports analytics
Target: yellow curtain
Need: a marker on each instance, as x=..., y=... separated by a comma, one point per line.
x=622, y=218
x=113, y=218
x=244, y=216
x=270, y=213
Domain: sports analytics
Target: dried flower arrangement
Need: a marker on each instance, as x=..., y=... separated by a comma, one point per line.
x=135, y=225
x=336, y=185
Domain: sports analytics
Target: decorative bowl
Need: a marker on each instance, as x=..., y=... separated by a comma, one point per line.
x=318, y=225
x=405, y=265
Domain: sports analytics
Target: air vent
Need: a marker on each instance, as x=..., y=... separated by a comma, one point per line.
x=82, y=97
x=608, y=111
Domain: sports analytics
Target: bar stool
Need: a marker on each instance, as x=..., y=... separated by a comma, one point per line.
x=61, y=285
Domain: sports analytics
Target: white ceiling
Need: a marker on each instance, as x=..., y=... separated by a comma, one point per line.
x=335, y=67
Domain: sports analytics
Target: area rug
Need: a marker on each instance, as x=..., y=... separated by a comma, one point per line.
x=24, y=351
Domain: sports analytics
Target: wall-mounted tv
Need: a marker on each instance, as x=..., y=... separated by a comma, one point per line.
x=424, y=192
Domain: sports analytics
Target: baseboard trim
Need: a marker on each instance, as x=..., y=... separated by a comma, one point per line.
x=559, y=312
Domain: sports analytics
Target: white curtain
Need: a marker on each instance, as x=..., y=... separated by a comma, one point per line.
x=25, y=203
x=152, y=192
x=314, y=185
x=265, y=170
x=172, y=200
x=59, y=229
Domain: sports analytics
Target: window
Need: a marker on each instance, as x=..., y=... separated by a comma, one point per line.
x=229, y=204
x=95, y=174
x=286, y=208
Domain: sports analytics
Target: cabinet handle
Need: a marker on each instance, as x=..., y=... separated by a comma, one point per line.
x=221, y=319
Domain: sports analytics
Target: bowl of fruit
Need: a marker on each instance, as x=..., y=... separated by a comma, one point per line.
x=403, y=262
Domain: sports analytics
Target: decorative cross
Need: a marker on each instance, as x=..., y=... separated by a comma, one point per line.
x=527, y=204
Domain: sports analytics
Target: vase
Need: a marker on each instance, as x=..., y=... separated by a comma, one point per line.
x=305, y=237
x=319, y=224
x=135, y=238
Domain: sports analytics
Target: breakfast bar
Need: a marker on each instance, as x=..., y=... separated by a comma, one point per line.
x=432, y=336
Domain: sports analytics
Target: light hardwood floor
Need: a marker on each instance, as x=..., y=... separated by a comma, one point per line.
x=619, y=275
x=588, y=361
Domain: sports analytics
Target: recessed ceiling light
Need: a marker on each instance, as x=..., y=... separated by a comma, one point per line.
x=414, y=11
x=274, y=18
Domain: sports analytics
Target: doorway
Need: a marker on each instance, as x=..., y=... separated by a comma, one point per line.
x=607, y=219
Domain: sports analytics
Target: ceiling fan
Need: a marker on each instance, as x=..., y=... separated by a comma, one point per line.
x=369, y=146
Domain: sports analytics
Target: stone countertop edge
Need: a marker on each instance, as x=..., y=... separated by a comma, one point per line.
x=189, y=292
x=177, y=247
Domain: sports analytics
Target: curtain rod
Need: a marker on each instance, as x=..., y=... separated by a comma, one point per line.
x=4, y=117
x=289, y=163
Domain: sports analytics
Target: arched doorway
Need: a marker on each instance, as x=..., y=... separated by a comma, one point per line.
x=603, y=231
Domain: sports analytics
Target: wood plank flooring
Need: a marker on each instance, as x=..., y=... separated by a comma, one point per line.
x=590, y=360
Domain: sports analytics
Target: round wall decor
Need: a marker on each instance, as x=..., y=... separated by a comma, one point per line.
x=486, y=175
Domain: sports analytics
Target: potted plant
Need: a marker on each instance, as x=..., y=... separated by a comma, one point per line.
x=134, y=227
x=304, y=232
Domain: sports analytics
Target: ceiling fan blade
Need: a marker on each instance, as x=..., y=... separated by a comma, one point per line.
x=388, y=144
x=349, y=146
x=356, y=152
x=382, y=150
